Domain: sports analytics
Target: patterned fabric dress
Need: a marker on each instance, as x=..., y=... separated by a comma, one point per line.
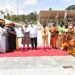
x=26, y=38
x=53, y=36
x=60, y=35
x=65, y=42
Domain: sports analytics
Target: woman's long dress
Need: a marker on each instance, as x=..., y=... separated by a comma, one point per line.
x=60, y=35
x=26, y=38
x=3, y=40
x=12, y=39
x=54, y=37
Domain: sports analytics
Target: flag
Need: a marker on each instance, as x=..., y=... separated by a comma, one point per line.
x=56, y=16
x=65, y=15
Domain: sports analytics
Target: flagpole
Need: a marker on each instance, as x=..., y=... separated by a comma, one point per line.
x=65, y=16
x=17, y=9
x=56, y=18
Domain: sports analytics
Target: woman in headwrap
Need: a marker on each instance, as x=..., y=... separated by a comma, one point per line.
x=60, y=34
x=54, y=36
x=65, y=42
x=26, y=38
x=11, y=37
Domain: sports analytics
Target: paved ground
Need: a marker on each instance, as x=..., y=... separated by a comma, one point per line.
x=37, y=65
x=36, y=62
x=42, y=71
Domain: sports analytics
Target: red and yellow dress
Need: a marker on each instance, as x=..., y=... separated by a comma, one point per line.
x=54, y=36
x=65, y=43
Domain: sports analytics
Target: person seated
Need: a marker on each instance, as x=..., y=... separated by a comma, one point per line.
x=65, y=45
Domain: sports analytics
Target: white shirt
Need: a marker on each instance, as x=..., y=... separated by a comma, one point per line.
x=26, y=29
x=2, y=40
x=65, y=30
x=19, y=32
x=2, y=31
x=33, y=32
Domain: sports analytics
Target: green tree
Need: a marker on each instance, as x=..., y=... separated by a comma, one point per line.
x=2, y=12
x=14, y=18
x=71, y=7
x=8, y=16
x=33, y=16
x=50, y=8
x=22, y=18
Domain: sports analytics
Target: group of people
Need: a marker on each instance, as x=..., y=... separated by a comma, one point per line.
x=62, y=36
x=28, y=34
x=7, y=37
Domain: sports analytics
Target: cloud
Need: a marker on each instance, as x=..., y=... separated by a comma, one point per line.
x=11, y=7
x=67, y=0
x=30, y=2
x=11, y=10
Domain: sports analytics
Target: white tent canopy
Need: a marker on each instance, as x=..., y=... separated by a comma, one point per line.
x=8, y=22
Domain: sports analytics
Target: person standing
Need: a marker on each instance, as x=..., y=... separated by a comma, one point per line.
x=33, y=36
x=54, y=36
x=3, y=38
x=45, y=35
x=65, y=43
x=11, y=37
x=60, y=33
x=19, y=36
x=26, y=38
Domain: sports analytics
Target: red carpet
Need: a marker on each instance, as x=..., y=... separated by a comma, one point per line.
x=38, y=52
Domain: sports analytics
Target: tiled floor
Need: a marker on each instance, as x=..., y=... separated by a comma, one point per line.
x=36, y=62
x=42, y=71
x=37, y=65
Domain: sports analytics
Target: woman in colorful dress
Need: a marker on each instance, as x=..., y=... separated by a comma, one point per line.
x=26, y=38
x=45, y=35
x=54, y=36
x=60, y=33
x=71, y=38
x=65, y=42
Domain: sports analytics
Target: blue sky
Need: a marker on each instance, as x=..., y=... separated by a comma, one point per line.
x=27, y=6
